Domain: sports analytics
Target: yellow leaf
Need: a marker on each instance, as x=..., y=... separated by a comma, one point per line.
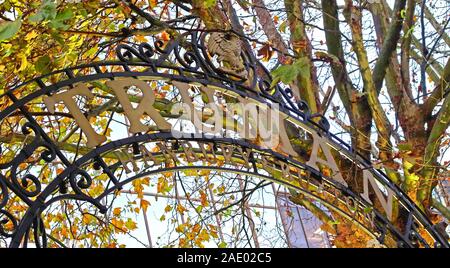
x=214, y=234
x=180, y=228
x=197, y=227
x=118, y=225
x=168, y=208
x=140, y=38
x=23, y=62
x=138, y=188
x=181, y=208
x=130, y=224
x=31, y=35
x=204, y=235
x=165, y=87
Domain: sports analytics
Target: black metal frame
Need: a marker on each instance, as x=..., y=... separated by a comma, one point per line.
x=188, y=61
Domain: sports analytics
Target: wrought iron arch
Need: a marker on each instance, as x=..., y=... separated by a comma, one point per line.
x=185, y=59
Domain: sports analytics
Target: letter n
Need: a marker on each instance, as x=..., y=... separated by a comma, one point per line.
x=386, y=203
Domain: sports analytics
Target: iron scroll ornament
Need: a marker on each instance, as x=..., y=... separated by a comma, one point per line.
x=189, y=62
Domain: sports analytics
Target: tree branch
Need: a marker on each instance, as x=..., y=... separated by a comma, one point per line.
x=389, y=45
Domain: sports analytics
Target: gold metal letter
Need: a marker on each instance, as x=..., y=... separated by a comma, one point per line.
x=93, y=139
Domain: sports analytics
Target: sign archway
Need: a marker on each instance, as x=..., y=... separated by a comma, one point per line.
x=193, y=78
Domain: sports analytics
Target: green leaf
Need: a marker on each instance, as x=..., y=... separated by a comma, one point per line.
x=91, y=51
x=9, y=29
x=199, y=209
x=58, y=21
x=282, y=27
x=210, y=3
x=42, y=64
x=403, y=146
x=368, y=209
x=64, y=15
x=222, y=245
x=288, y=73
x=47, y=11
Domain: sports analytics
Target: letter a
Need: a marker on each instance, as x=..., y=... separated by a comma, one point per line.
x=319, y=142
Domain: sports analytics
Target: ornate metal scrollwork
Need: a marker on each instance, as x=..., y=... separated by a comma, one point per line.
x=187, y=60
x=24, y=183
x=5, y=218
x=4, y=195
x=80, y=180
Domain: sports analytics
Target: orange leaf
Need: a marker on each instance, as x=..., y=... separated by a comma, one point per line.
x=152, y=3
x=165, y=36
x=181, y=209
x=144, y=204
x=203, y=198
x=275, y=19
x=117, y=211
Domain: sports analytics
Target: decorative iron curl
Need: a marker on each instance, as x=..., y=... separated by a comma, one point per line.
x=4, y=221
x=188, y=60
x=146, y=51
x=129, y=54
x=84, y=183
x=323, y=122
x=265, y=87
x=47, y=155
x=159, y=46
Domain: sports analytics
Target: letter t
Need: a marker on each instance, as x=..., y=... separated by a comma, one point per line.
x=93, y=139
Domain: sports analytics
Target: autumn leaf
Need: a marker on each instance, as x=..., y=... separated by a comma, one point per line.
x=275, y=19
x=138, y=188
x=265, y=52
x=197, y=227
x=168, y=208
x=152, y=3
x=282, y=27
x=130, y=224
x=165, y=36
x=209, y=3
x=117, y=211
x=181, y=209
x=203, y=198
x=140, y=38
x=31, y=35
x=23, y=62
x=144, y=204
